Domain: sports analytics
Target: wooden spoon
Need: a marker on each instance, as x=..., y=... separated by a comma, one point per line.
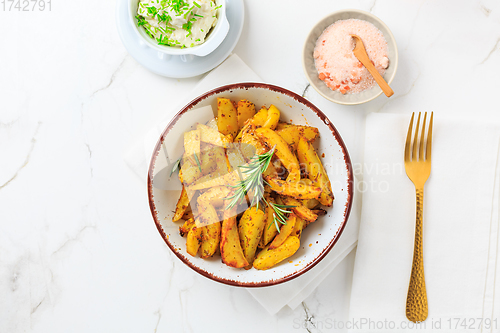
x=360, y=53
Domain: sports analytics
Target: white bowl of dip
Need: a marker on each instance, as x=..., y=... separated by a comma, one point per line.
x=213, y=39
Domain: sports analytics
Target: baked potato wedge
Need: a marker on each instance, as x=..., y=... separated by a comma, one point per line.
x=190, y=172
x=300, y=210
x=192, y=144
x=310, y=203
x=210, y=237
x=294, y=189
x=230, y=246
x=215, y=195
x=182, y=205
x=250, y=230
x=260, y=117
x=208, y=161
x=227, y=119
x=299, y=226
x=193, y=240
x=273, y=117
x=270, y=230
x=291, y=136
x=212, y=136
x=315, y=170
x=283, y=152
x=215, y=179
x=267, y=258
x=184, y=229
x=246, y=110
x=307, y=132
x=285, y=231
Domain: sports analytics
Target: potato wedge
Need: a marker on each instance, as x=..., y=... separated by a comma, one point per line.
x=300, y=225
x=193, y=240
x=227, y=119
x=230, y=246
x=235, y=158
x=285, y=231
x=260, y=117
x=273, y=117
x=192, y=146
x=181, y=206
x=291, y=136
x=213, y=136
x=246, y=110
x=210, y=237
x=215, y=179
x=190, y=172
x=283, y=152
x=319, y=212
x=257, y=121
x=267, y=258
x=208, y=161
x=270, y=230
x=206, y=214
x=206, y=203
x=307, y=132
x=251, y=143
x=315, y=170
x=294, y=189
x=212, y=123
x=282, y=125
x=300, y=210
x=184, y=229
x=310, y=203
x=250, y=230
x=215, y=195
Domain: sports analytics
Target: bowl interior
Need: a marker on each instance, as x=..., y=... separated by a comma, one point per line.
x=317, y=239
x=312, y=73
x=221, y=12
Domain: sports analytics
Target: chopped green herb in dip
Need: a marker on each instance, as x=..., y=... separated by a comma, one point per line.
x=177, y=22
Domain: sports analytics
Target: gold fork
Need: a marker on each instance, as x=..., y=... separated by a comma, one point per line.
x=418, y=169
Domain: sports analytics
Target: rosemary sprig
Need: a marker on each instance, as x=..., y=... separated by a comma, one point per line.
x=253, y=182
x=252, y=179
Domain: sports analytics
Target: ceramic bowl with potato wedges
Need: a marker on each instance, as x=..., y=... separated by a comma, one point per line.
x=183, y=135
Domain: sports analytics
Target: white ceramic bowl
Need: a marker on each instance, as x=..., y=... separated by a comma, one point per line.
x=317, y=239
x=312, y=73
x=213, y=40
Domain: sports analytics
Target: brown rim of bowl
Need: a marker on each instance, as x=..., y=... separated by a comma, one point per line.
x=325, y=120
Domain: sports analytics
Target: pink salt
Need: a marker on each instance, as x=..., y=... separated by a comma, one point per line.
x=335, y=62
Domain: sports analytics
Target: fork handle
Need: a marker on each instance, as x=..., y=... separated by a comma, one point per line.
x=416, y=301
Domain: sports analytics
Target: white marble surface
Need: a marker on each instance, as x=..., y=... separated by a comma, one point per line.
x=78, y=249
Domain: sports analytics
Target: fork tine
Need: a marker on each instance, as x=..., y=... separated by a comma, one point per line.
x=415, y=141
x=408, y=139
x=429, y=139
x=422, y=136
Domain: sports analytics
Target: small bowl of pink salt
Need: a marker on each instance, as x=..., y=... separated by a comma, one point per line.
x=332, y=68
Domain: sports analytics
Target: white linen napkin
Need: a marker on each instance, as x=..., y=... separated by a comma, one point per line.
x=274, y=298
x=232, y=70
x=461, y=203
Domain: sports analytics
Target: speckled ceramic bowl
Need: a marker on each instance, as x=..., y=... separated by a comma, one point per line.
x=312, y=73
x=317, y=239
